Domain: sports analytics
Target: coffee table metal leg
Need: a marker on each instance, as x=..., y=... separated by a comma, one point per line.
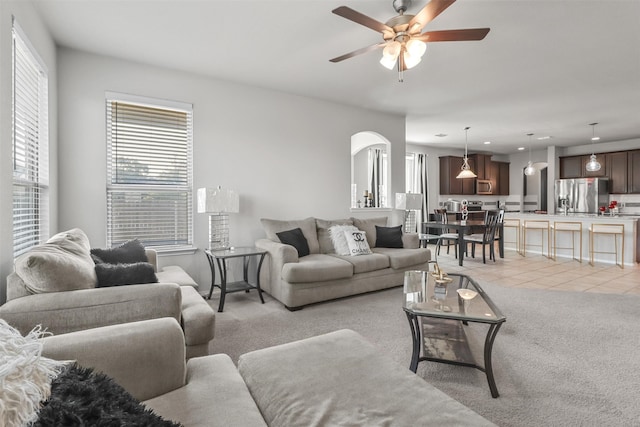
x=488, y=346
x=415, y=336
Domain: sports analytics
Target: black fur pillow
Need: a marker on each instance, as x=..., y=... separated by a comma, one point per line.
x=127, y=253
x=125, y=274
x=82, y=397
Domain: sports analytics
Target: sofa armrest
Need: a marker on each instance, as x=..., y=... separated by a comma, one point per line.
x=280, y=253
x=63, y=312
x=411, y=240
x=147, y=358
x=152, y=257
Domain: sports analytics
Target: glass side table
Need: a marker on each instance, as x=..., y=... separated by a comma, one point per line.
x=220, y=257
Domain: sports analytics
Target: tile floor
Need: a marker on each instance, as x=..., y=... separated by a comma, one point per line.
x=537, y=271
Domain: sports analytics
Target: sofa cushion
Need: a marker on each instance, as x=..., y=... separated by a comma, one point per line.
x=127, y=253
x=324, y=235
x=63, y=263
x=296, y=239
x=338, y=238
x=175, y=274
x=389, y=237
x=403, y=258
x=369, y=227
x=307, y=225
x=357, y=242
x=366, y=263
x=316, y=268
x=125, y=274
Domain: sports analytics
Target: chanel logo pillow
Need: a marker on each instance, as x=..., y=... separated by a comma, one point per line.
x=357, y=242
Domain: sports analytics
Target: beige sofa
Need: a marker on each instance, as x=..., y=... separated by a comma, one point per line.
x=323, y=275
x=54, y=285
x=333, y=379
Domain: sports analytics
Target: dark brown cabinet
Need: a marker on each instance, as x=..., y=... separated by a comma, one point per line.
x=503, y=178
x=617, y=167
x=571, y=167
x=450, y=167
x=633, y=171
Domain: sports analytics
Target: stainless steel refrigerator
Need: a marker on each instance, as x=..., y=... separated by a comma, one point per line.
x=581, y=195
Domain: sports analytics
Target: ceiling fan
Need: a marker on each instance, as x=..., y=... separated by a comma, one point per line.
x=403, y=43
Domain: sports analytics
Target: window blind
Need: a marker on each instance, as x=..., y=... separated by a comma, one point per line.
x=149, y=168
x=30, y=146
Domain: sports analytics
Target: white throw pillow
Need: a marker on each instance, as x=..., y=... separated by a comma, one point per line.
x=339, y=240
x=357, y=241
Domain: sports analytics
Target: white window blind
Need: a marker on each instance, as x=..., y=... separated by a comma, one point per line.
x=149, y=173
x=30, y=146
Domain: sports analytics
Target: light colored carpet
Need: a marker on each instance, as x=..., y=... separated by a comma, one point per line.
x=561, y=359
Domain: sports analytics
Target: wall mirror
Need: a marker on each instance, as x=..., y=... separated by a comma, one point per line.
x=370, y=170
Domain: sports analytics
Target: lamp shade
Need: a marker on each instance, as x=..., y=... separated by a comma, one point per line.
x=408, y=201
x=218, y=200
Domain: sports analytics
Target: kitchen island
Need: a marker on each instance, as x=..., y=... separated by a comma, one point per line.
x=603, y=243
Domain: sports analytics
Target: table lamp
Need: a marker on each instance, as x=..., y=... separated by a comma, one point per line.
x=218, y=203
x=410, y=203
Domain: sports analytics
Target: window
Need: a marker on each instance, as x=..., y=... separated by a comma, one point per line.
x=30, y=145
x=149, y=172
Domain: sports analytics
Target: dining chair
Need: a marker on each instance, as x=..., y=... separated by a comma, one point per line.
x=442, y=216
x=487, y=237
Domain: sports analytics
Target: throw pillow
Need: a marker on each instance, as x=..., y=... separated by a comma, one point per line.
x=127, y=253
x=307, y=225
x=338, y=239
x=63, y=263
x=296, y=239
x=83, y=397
x=389, y=237
x=369, y=227
x=324, y=236
x=24, y=374
x=125, y=274
x=357, y=241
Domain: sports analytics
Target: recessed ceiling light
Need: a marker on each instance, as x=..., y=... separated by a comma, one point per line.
x=441, y=135
x=487, y=142
x=540, y=138
x=520, y=148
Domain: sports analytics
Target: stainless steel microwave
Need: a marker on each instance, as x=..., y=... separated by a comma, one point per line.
x=483, y=186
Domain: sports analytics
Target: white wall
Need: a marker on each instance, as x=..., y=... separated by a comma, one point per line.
x=30, y=22
x=287, y=156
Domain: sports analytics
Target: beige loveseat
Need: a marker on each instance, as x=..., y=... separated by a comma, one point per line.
x=324, y=275
x=333, y=379
x=54, y=285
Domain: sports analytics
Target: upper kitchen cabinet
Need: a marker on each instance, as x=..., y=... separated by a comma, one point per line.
x=617, y=167
x=633, y=172
x=450, y=167
x=571, y=167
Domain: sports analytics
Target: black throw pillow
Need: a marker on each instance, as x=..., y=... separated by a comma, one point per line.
x=125, y=274
x=296, y=239
x=389, y=237
x=82, y=397
x=127, y=253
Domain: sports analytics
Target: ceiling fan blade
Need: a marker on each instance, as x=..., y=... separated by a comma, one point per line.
x=453, y=35
x=357, y=52
x=428, y=14
x=359, y=18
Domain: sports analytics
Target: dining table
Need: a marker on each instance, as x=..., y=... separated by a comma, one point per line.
x=464, y=227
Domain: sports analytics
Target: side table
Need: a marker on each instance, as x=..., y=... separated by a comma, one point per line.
x=220, y=258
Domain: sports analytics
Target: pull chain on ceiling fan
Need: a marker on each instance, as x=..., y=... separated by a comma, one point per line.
x=403, y=43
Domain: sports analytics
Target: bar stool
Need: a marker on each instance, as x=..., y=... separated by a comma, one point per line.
x=573, y=228
x=512, y=223
x=537, y=225
x=614, y=230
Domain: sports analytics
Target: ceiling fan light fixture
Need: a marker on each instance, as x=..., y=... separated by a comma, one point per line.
x=410, y=60
x=416, y=47
x=388, y=62
x=390, y=54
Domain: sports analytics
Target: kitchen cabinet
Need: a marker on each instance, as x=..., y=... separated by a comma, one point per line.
x=503, y=178
x=618, y=172
x=450, y=167
x=571, y=167
x=633, y=171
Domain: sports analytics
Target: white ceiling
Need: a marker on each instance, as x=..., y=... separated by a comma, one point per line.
x=549, y=67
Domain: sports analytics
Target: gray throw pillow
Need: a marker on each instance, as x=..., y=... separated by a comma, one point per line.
x=389, y=237
x=296, y=239
x=125, y=274
x=127, y=253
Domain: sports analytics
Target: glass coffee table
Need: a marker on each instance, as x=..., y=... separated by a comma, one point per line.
x=440, y=309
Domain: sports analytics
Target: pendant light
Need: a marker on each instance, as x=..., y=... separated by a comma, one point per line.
x=593, y=165
x=465, y=170
x=530, y=170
